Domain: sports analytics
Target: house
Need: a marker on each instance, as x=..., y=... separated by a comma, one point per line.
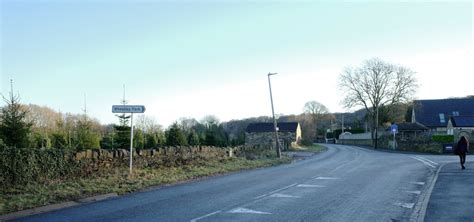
x=410, y=130
x=258, y=134
x=435, y=114
x=461, y=126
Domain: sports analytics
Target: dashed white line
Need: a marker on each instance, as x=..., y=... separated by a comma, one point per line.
x=340, y=166
x=418, y=183
x=283, y=195
x=326, y=178
x=207, y=215
x=242, y=210
x=417, y=192
x=275, y=191
x=309, y=185
x=405, y=205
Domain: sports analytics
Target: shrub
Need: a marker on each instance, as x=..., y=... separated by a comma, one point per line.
x=21, y=166
x=443, y=138
x=306, y=142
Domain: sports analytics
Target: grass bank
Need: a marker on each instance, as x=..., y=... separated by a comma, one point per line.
x=118, y=181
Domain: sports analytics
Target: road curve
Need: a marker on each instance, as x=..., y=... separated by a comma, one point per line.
x=343, y=184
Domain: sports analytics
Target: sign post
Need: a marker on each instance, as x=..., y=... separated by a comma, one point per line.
x=129, y=109
x=131, y=142
x=394, y=129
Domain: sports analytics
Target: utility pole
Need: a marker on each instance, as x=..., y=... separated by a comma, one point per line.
x=274, y=120
x=342, y=125
x=376, y=125
x=85, y=105
x=11, y=89
x=131, y=143
x=124, y=102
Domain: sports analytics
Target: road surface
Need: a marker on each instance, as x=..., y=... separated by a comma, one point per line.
x=343, y=184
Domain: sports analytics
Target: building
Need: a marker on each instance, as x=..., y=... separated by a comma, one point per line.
x=461, y=126
x=410, y=130
x=435, y=114
x=263, y=134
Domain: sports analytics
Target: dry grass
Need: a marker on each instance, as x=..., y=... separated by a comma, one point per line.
x=118, y=181
x=313, y=148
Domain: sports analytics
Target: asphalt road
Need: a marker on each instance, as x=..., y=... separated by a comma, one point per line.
x=343, y=184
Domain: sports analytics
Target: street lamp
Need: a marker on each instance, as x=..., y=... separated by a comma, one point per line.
x=274, y=120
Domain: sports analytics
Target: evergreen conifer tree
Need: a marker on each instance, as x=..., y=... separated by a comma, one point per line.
x=14, y=128
x=175, y=136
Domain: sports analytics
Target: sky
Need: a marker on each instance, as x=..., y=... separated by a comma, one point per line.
x=198, y=58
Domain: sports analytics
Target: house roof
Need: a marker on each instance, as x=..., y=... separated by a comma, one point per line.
x=411, y=127
x=268, y=127
x=427, y=112
x=462, y=121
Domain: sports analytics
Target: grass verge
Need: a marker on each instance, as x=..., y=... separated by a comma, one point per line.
x=118, y=181
x=315, y=148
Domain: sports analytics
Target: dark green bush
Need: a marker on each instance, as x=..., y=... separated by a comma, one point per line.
x=443, y=138
x=306, y=142
x=21, y=166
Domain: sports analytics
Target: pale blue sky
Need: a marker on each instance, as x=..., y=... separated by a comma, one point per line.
x=192, y=58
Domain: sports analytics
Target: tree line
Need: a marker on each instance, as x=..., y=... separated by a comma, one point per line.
x=384, y=91
x=33, y=126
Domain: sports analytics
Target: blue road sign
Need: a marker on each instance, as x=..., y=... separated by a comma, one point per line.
x=394, y=128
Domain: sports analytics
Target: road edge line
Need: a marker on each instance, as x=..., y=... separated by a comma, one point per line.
x=419, y=212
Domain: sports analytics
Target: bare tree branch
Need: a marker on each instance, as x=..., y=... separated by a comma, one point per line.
x=316, y=110
x=376, y=84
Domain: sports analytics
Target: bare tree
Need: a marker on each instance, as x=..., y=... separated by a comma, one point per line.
x=316, y=110
x=187, y=124
x=209, y=120
x=43, y=117
x=376, y=84
x=148, y=124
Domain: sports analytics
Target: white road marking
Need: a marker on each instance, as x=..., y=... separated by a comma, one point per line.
x=309, y=185
x=417, y=192
x=242, y=210
x=340, y=166
x=418, y=183
x=207, y=215
x=275, y=191
x=426, y=163
x=405, y=205
x=326, y=178
x=284, y=195
x=430, y=161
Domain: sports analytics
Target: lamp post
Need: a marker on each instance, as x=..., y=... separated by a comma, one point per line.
x=274, y=120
